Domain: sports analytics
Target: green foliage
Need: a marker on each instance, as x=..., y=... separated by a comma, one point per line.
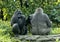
x=12, y=5
x=57, y=40
x=55, y=31
x=6, y=32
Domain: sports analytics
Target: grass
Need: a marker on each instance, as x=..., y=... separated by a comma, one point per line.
x=6, y=33
x=55, y=31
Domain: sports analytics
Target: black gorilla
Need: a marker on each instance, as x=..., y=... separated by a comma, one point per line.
x=18, y=22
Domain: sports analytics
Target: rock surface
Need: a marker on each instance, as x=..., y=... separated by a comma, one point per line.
x=39, y=38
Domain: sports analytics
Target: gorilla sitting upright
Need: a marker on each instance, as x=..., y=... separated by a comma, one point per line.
x=18, y=23
x=40, y=22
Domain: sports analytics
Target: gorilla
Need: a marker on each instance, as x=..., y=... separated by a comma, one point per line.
x=40, y=22
x=18, y=23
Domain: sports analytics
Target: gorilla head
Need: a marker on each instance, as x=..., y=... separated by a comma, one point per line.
x=18, y=13
x=39, y=10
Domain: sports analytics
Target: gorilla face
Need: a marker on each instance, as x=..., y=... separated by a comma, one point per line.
x=19, y=14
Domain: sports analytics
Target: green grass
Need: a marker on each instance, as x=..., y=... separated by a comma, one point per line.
x=55, y=31
x=6, y=33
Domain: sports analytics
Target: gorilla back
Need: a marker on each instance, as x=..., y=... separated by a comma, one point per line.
x=40, y=22
x=18, y=21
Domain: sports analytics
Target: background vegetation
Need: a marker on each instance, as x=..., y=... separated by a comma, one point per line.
x=50, y=7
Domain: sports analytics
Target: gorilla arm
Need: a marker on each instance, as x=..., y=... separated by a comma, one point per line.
x=28, y=21
x=48, y=21
x=13, y=20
